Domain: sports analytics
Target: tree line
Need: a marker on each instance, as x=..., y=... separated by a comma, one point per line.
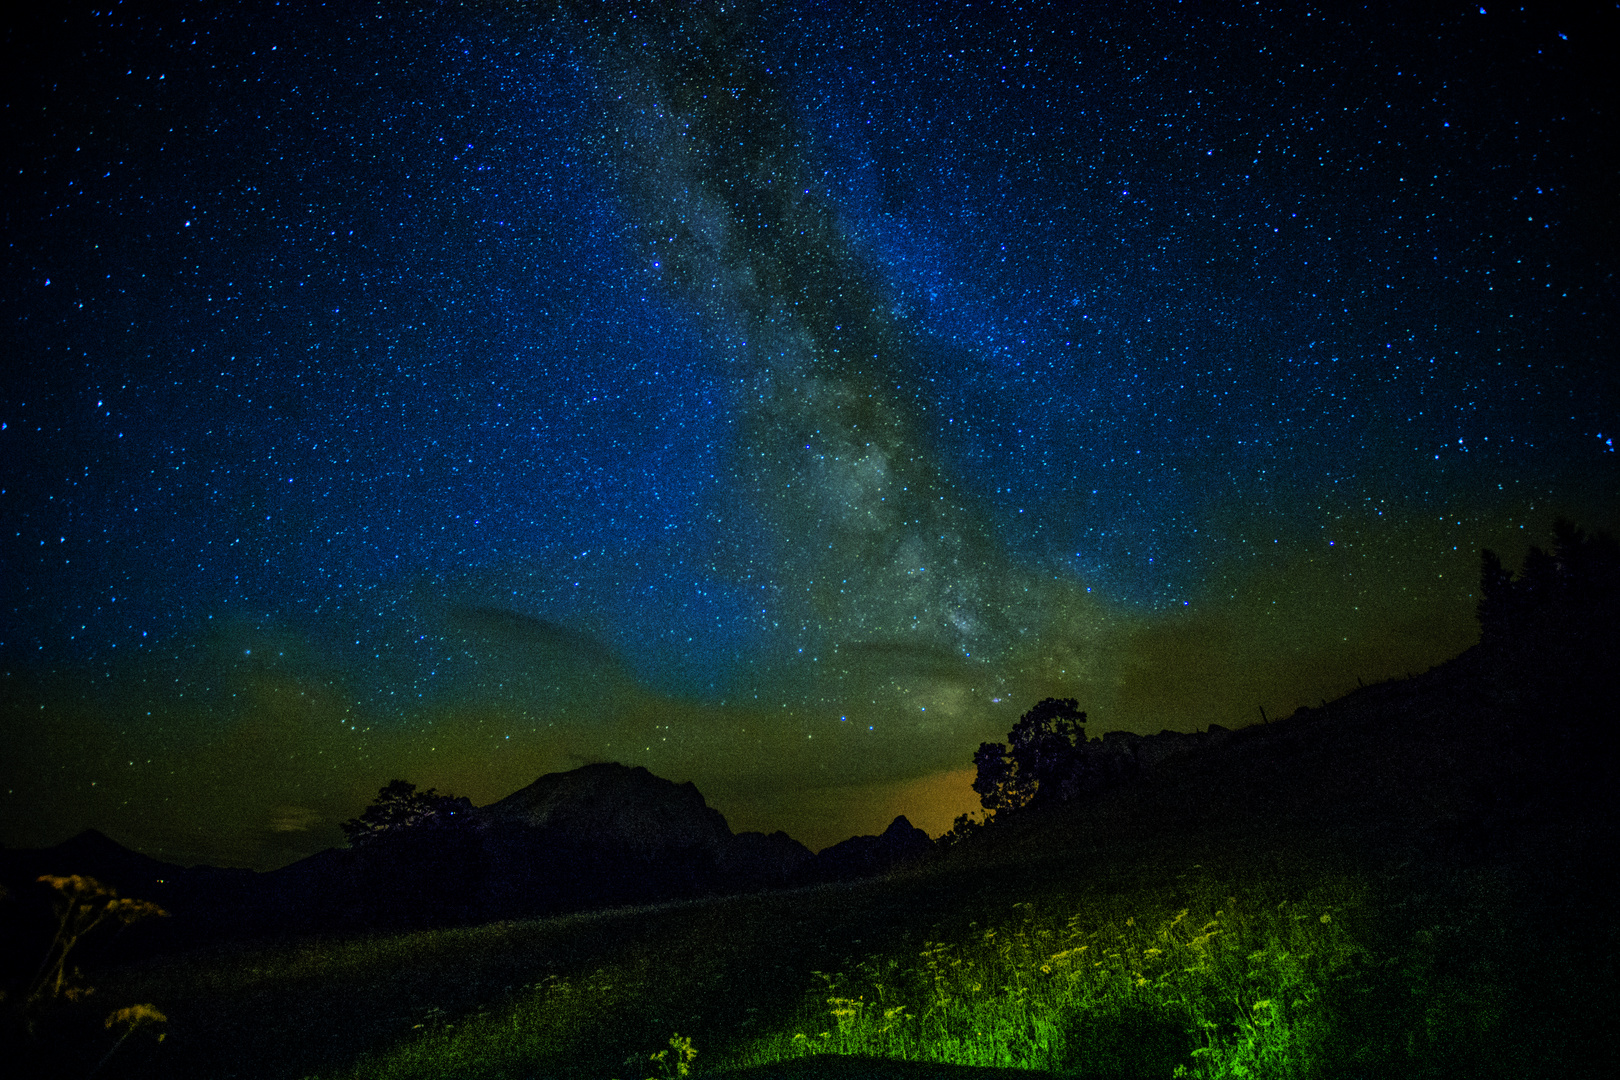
x=1555, y=621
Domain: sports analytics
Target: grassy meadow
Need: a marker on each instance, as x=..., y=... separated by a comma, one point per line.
x=1208, y=957
x=1408, y=884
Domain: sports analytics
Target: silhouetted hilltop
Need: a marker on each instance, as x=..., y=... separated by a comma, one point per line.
x=773, y=861
x=97, y=855
x=613, y=803
x=609, y=834
x=866, y=856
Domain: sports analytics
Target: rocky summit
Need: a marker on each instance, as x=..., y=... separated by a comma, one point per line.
x=609, y=803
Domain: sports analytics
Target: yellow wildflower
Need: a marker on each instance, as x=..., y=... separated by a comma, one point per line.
x=135, y=1016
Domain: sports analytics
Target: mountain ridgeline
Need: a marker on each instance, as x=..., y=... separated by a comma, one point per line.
x=603, y=835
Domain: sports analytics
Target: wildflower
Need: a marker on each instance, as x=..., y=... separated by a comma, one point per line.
x=845, y=1008
x=83, y=904
x=134, y=1016
x=128, y=910
x=677, y=1060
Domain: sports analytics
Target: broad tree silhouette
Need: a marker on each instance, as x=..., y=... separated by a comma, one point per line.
x=1552, y=633
x=400, y=807
x=415, y=860
x=1043, y=764
x=1574, y=585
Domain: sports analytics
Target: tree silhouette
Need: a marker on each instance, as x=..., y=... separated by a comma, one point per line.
x=1550, y=636
x=1498, y=602
x=964, y=828
x=1044, y=762
x=1576, y=584
x=400, y=807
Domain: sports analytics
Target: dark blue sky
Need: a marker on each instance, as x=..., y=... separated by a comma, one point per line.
x=464, y=391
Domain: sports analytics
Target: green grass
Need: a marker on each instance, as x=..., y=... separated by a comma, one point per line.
x=1225, y=985
x=1252, y=966
x=1285, y=914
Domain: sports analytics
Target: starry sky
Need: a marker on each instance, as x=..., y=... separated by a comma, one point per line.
x=783, y=396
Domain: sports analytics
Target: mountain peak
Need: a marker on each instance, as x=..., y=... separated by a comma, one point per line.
x=607, y=801
x=900, y=826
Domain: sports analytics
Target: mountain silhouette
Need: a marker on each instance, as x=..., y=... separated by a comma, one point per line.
x=598, y=836
x=866, y=856
x=613, y=803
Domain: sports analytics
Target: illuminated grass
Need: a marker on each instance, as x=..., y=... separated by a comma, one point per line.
x=536, y=1029
x=1223, y=986
x=1208, y=975
x=1247, y=967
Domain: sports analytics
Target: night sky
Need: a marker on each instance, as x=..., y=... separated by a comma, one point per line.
x=781, y=396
